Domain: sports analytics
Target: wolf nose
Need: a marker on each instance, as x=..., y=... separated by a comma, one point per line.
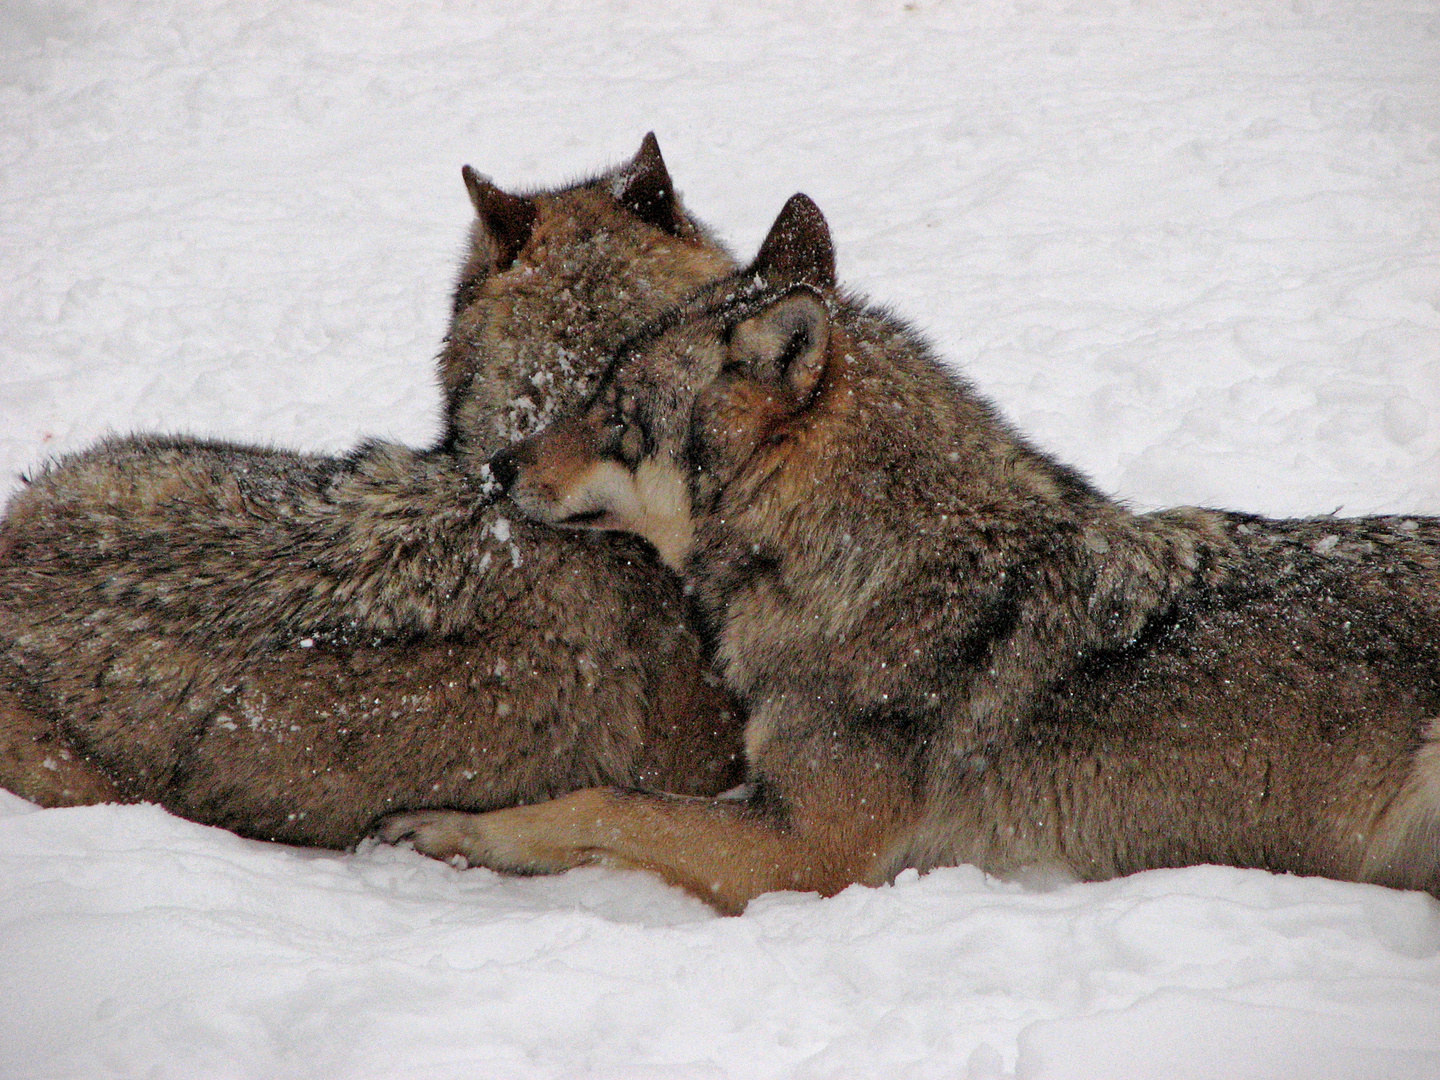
x=503, y=467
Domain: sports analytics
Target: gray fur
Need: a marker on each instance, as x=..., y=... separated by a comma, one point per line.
x=288, y=645
x=954, y=649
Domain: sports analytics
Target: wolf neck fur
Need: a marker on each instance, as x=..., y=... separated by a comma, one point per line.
x=1018, y=533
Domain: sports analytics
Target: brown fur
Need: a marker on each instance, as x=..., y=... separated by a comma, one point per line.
x=289, y=645
x=527, y=342
x=954, y=649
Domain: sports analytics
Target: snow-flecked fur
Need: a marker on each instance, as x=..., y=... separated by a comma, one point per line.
x=288, y=645
x=1189, y=248
x=954, y=649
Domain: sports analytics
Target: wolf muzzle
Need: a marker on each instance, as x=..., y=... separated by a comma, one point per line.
x=504, y=467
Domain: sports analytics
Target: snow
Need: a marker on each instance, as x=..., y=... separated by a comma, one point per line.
x=1191, y=247
x=136, y=942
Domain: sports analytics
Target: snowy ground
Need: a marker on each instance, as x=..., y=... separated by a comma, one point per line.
x=1192, y=247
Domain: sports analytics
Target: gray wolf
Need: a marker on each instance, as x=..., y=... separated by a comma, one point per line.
x=953, y=648
x=288, y=645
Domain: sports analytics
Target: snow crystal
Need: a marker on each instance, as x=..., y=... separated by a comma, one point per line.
x=489, y=486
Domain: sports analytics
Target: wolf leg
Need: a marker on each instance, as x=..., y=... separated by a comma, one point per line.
x=709, y=847
x=819, y=837
x=38, y=763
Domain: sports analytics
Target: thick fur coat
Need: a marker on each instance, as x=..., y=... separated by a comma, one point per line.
x=953, y=648
x=289, y=645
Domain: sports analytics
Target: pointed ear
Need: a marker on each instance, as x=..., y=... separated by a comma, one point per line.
x=507, y=219
x=798, y=250
x=645, y=189
x=786, y=342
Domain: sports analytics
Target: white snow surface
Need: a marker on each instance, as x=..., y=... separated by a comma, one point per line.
x=1192, y=247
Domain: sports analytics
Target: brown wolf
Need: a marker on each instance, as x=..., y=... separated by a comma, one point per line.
x=288, y=645
x=954, y=649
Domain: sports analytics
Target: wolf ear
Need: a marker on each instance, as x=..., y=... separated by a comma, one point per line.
x=786, y=342
x=506, y=219
x=645, y=189
x=798, y=250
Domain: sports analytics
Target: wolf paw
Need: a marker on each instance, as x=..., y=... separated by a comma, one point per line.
x=447, y=835
x=520, y=840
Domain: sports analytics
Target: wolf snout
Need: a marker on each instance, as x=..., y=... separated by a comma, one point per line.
x=504, y=467
x=512, y=470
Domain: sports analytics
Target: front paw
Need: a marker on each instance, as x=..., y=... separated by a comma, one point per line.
x=448, y=835
x=517, y=841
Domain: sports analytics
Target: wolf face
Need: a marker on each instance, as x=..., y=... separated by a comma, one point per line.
x=715, y=386
x=553, y=280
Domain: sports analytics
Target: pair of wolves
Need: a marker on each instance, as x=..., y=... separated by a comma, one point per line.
x=289, y=645
x=950, y=647
x=954, y=649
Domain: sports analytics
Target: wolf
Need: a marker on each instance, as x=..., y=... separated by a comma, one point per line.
x=287, y=645
x=954, y=649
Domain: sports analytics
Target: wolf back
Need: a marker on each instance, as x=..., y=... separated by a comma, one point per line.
x=287, y=645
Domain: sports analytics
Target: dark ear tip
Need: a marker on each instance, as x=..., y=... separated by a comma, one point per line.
x=647, y=191
x=648, y=158
x=800, y=203
x=507, y=218
x=801, y=210
x=798, y=246
x=476, y=184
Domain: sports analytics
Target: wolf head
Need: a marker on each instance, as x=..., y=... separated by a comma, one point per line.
x=772, y=411
x=698, y=400
x=554, y=281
